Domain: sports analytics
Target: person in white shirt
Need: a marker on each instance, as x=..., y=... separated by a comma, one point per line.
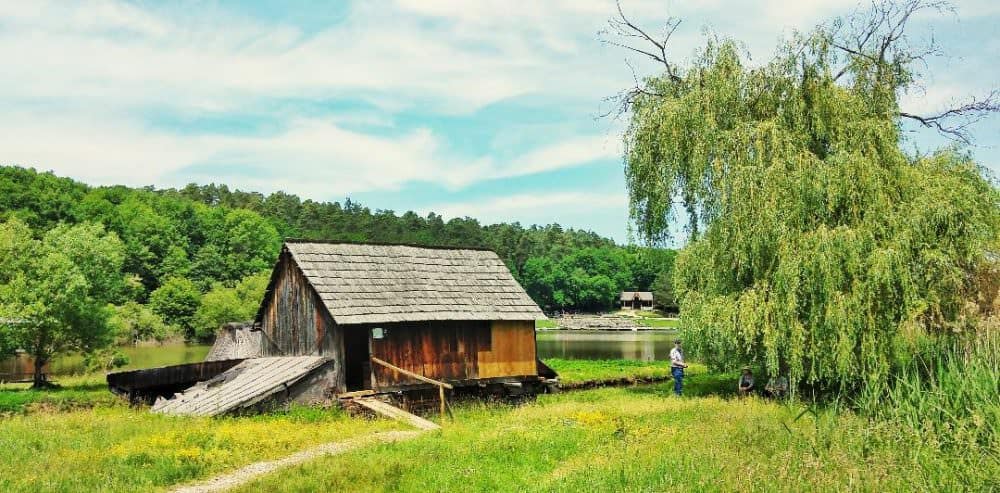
x=677, y=366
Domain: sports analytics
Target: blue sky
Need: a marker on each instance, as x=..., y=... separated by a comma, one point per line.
x=486, y=109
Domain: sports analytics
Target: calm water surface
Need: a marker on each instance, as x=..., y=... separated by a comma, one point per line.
x=566, y=344
x=138, y=357
x=596, y=344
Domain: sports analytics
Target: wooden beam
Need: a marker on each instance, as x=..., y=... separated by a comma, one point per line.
x=411, y=374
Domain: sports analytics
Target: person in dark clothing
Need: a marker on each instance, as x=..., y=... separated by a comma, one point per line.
x=745, y=386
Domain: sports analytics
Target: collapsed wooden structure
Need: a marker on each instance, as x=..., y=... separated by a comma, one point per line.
x=396, y=321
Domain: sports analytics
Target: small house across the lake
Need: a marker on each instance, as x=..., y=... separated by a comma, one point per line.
x=347, y=317
x=636, y=300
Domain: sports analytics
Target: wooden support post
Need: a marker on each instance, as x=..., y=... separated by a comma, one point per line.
x=441, y=393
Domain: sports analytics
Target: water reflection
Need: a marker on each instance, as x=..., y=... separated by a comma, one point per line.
x=21, y=367
x=592, y=344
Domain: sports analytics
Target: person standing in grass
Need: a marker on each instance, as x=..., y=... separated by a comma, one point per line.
x=677, y=366
x=746, y=382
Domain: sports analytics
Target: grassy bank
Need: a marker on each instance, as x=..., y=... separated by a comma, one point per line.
x=643, y=439
x=81, y=392
x=575, y=371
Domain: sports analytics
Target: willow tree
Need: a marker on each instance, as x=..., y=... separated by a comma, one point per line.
x=817, y=245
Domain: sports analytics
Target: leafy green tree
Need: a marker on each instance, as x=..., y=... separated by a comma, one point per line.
x=98, y=255
x=817, y=244
x=663, y=290
x=133, y=323
x=176, y=301
x=538, y=280
x=54, y=292
x=224, y=304
x=250, y=243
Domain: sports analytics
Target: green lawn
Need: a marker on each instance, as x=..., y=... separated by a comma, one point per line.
x=575, y=371
x=644, y=439
x=82, y=438
x=635, y=438
x=546, y=324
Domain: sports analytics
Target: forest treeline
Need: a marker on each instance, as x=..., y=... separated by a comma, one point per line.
x=200, y=255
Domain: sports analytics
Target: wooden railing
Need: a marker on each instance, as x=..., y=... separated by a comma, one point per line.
x=440, y=385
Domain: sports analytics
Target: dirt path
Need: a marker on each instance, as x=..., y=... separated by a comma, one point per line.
x=252, y=471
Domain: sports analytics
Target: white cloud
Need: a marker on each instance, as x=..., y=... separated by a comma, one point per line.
x=564, y=154
x=313, y=157
x=79, y=78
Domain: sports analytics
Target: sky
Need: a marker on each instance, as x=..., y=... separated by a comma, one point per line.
x=488, y=109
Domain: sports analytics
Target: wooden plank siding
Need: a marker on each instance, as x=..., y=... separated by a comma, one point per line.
x=453, y=350
x=512, y=351
x=294, y=321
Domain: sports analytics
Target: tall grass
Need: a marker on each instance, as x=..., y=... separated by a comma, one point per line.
x=949, y=395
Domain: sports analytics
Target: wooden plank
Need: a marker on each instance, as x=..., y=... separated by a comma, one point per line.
x=356, y=393
x=396, y=413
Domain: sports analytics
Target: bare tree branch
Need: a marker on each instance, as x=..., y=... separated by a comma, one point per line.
x=877, y=38
x=954, y=123
x=623, y=33
x=622, y=27
x=879, y=31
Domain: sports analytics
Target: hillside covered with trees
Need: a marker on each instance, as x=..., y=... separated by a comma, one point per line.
x=184, y=261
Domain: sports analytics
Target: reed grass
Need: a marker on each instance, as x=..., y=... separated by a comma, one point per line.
x=948, y=395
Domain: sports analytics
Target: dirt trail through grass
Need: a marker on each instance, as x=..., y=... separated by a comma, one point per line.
x=250, y=472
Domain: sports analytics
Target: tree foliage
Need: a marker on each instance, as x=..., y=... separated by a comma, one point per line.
x=54, y=291
x=177, y=300
x=230, y=304
x=133, y=323
x=817, y=244
x=209, y=234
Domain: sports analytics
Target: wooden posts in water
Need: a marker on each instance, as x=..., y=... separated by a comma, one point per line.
x=440, y=385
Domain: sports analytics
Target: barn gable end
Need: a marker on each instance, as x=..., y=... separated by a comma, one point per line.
x=293, y=320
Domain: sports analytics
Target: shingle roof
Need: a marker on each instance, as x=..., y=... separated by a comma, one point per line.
x=365, y=283
x=630, y=295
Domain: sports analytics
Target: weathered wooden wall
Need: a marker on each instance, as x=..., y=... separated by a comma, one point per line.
x=453, y=350
x=294, y=321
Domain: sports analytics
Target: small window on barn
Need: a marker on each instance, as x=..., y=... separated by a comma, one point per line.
x=378, y=333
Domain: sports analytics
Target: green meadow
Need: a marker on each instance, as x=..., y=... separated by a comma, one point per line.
x=632, y=438
x=644, y=439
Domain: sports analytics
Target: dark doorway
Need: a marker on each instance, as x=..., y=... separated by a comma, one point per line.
x=357, y=364
x=636, y=303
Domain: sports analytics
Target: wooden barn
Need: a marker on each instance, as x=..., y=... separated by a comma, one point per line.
x=346, y=320
x=449, y=314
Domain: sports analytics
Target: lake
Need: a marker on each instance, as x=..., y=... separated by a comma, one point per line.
x=596, y=344
x=565, y=344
